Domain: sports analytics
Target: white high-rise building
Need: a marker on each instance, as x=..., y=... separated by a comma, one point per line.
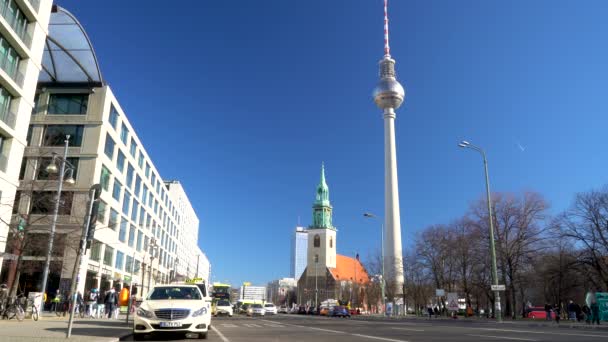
x=299, y=250
x=23, y=29
x=252, y=293
x=146, y=229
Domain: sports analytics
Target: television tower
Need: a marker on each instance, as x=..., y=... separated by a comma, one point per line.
x=388, y=96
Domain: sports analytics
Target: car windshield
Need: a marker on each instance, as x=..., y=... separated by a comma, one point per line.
x=223, y=303
x=257, y=306
x=269, y=305
x=175, y=292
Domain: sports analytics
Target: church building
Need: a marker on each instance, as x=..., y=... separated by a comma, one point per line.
x=328, y=275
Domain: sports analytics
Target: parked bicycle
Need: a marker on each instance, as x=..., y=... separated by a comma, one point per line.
x=32, y=308
x=14, y=309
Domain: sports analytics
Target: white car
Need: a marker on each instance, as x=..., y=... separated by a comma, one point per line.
x=223, y=307
x=270, y=309
x=283, y=309
x=179, y=309
x=256, y=310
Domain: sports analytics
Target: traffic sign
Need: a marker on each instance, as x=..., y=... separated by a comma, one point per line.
x=439, y=292
x=498, y=288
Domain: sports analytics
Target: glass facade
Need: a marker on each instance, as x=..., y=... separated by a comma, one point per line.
x=113, y=118
x=108, y=256
x=116, y=190
x=5, y=103
x=120, y=259
x=109, y=147
x=54, y=135
x=68, y=104
x=122, y=233
x=104, y=180
x=120, y=161
x=9, y=61
x=124, y=134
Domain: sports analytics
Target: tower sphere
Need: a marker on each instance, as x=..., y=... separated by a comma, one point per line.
x=388, y=92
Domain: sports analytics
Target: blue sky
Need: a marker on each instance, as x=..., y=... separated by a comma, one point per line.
x=242, y=101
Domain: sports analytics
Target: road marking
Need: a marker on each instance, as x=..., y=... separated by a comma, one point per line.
x=228, y=325
x=340, y=332
x=504, y=337
x=252, y=325
x=408, y=329
x=274, y=325
x=220, y=333
x=539, y=332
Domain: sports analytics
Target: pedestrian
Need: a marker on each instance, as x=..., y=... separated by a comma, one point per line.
x=430, y=311
x=571, y=311
x=79, y=302
x=595, y=312
x=548, y=312
x=99, y=307
x=116, y=307
x=436, y=311
x=91, y=302
x=109, y=302
x=557, y=310
x=587, y=313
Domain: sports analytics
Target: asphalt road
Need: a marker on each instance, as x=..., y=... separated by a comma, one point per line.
x=295, y=328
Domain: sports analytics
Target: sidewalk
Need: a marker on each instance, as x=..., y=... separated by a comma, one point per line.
x=564, y=324
x=53, y=328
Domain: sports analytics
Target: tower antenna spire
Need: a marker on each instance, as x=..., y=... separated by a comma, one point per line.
x=387, y=48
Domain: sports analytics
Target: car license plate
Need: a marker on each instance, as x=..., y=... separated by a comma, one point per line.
x=170, y=324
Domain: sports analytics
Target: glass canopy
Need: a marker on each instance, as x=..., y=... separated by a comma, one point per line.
x=68, y=53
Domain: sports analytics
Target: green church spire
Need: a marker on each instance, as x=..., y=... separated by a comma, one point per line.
x=321, y=215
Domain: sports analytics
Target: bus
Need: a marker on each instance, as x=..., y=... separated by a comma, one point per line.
x=220, y=292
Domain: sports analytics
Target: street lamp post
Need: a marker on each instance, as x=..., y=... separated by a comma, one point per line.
x=466, y=144
x=52, y=168
x=316, y=276
x=370, y=215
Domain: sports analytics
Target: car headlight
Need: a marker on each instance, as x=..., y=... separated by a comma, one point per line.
x=199, y=312
x=145, y=313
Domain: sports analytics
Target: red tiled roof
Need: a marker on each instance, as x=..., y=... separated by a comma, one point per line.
x=347, y=268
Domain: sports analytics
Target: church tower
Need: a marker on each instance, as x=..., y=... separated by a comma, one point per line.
x=321, y=234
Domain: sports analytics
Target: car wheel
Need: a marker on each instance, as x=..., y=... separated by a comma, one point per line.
x=139, y=337
x=202, y=336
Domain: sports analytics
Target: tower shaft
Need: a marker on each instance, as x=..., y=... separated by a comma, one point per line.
x=393, y=261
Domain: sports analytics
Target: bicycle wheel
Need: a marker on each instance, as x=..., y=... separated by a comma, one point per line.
x=19, y=313
x=34, y=313
x=81, y=311
x=57, y=311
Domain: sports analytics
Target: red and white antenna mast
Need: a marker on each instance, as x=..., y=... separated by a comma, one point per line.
x=387, y=48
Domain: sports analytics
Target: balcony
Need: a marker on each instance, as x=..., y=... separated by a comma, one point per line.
x=11, y=69
x=18, y=28
x=8, y=117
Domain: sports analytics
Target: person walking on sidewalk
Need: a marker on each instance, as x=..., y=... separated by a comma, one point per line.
x=111, y=297
x=587, y=313
x=595, y=313
x=91, y=302
x=571, y=311
x=99, y=306
x=430, y=311
x=548, y=312
x=558, y=312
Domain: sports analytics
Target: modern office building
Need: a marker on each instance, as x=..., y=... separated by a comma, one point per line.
x=203, y=267
x=299, y=250
x=23, y=29
x=282, y=291
x=146, y=230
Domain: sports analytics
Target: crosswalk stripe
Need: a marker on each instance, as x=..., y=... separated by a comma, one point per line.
x=274, y=325
x=228, y=325
x=252, y=325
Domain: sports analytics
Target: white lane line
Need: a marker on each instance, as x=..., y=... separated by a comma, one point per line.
x=340, y=332
x=252, y=325
x=407, y=329
x=274, y=325
x=219, y=333
x=504, y=337
x=228, y=325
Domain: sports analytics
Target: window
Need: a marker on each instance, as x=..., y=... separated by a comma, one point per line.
x=24, y=163
x=5, y=104
x=68, y=104
x=9, y=59
x=132, y=236
x=129, y=265
x=317, y=241
x=146, y=242
x=44, y=162
x=108, y=256
x=144, y=194
x=153, y=180
x=130, y=171
x=134, y=211
x=140, y=236
x=120, y=161
x=124, y=134
x=136, y=267
x=109, y=148
x=101, y=212
x=142, y=216
x=133, y=148
x=54, y=135
x=120, y=259
x=104, y=179
x=140, y=160
x=116, y=190
x=113, y=119
x=137, y=186
x=96, y=250
x=126, y=203
x=122, y=233
x=147, y=170
x=331, y=242
x=43, y=202
x=114, y=219
x=148, y=218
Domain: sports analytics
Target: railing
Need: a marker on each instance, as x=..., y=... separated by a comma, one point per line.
x=11, y=70
x=3, y=162
x=21, y=31
x=8, y=118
